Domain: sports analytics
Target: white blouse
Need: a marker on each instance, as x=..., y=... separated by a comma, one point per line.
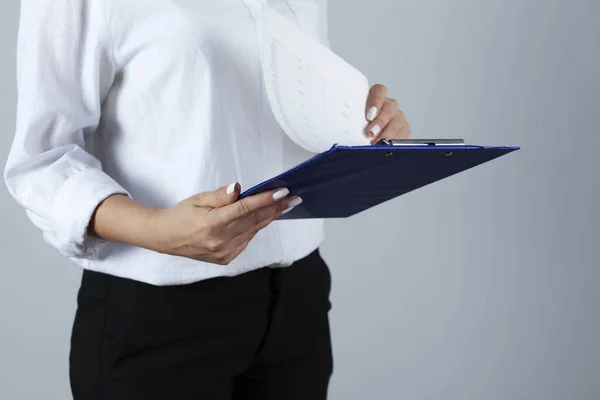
x=156, y=99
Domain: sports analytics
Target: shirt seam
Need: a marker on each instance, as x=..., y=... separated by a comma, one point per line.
x=110, y=38
x=265, y=111
x=263, y=101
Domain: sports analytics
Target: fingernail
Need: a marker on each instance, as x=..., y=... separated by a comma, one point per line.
x=295, y=202
x=280, y=194
x=375, y=130
x=372, y=113
x=230, y=188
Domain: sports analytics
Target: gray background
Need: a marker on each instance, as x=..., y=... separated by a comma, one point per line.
x=483, y=286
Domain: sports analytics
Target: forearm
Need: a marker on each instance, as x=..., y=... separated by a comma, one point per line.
x=121, y=219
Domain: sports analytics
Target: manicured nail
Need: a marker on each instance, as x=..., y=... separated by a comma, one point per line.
x=375, y=130
x=280, y=194
x=372, y=113
x=293, y=204
x=231, y=188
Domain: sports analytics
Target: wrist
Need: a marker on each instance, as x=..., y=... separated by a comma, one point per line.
x=155, y=231
x=121, y=219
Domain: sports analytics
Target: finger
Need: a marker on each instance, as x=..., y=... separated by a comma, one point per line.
x=375, y=100
x=398, y=128
x=231, y=248
x=388, y=112
x=248, y=205
x=235, y=253
x=262, y=217
x=249, y=233
x=241, y=240
x=237, y=245
x=218, y=198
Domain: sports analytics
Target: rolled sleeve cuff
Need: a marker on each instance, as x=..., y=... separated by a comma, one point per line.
x=73, y=207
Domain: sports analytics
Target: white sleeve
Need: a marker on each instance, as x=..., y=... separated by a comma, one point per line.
x=312, y=18
x=65, y=68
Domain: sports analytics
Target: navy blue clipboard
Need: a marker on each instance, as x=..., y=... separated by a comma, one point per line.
x=347, y=180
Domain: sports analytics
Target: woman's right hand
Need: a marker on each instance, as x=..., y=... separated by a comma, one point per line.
x=213, y=226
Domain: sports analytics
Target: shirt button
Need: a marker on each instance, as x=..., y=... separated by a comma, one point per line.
x=25, y=196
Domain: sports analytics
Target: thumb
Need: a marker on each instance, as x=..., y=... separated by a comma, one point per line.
x=221, y=197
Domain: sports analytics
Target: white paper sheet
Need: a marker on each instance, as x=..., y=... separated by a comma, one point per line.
x=317, y=98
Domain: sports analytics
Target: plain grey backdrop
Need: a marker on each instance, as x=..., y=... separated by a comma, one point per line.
x=483, y=286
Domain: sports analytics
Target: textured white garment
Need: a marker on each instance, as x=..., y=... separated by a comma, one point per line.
x=157, y=99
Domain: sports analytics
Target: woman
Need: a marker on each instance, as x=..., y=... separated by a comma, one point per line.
x=134, y=117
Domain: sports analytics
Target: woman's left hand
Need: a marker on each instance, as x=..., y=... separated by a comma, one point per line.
x=386, y=119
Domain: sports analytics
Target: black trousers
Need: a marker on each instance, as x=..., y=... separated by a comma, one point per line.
x=261, y=335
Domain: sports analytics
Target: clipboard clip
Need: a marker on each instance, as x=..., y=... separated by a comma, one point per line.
x=420, y=142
